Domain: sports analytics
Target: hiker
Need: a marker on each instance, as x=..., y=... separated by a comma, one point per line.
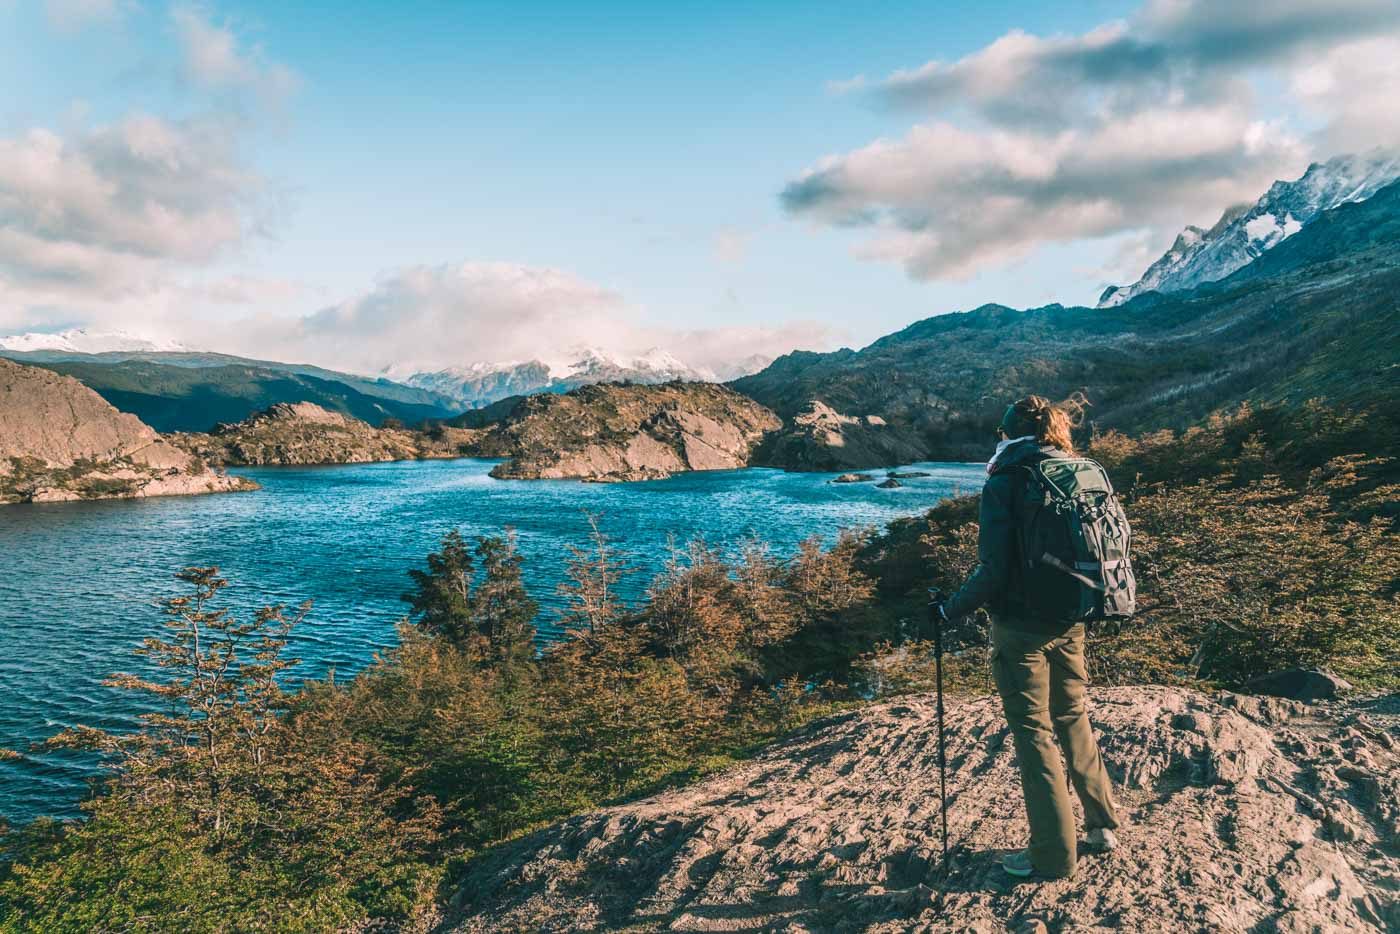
x=1037, y=635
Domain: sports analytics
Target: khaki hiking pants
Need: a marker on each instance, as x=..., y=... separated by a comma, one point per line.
x=1042, y=681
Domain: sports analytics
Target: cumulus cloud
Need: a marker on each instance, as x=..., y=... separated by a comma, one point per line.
x=1145, y=124
x=108, y=208
x=431, y=317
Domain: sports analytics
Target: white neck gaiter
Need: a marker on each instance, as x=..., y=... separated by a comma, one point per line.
x=1001, y=449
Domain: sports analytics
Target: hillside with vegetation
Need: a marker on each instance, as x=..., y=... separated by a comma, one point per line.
x=184, y=394
x=1315, y=317
x=60, y=441
x=305, y=433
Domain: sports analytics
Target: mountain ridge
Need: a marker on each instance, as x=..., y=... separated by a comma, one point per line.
x=1248, y=231
x=195, y=397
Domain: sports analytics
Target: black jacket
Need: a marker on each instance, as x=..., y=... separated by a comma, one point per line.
x=997, y=581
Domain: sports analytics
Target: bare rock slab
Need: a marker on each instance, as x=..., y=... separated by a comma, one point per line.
x=1233, y=806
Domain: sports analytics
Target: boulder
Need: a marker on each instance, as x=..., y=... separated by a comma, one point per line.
x=854, y=478
x=1304, y=684
x=889, y=483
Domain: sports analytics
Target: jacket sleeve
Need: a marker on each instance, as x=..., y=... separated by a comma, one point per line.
x=996, y=549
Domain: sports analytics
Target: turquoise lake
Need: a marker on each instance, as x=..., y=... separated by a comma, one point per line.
x=80, y=582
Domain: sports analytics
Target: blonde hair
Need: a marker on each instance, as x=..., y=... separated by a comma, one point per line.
x=1052, y=422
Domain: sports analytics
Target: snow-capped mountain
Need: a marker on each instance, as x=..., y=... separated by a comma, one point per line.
x=1244, y=232
x=482, y=383
x=656, y=365
x=747, y=366
x=82, y=340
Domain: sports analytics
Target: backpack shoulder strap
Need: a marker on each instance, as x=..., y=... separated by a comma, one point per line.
x=1031, y=468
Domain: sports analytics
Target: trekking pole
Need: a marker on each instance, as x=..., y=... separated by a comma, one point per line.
x=936, y=609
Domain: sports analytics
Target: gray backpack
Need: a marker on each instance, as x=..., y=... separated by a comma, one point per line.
x=1075, y=543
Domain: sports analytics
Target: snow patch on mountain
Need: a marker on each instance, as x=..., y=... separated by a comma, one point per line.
x=1244, y=232
x=82, y=340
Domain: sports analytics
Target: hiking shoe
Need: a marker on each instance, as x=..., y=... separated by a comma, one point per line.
x=1018, y=864
x=1102, y=840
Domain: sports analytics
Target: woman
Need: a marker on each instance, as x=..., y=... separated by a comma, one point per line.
x=1038, y=662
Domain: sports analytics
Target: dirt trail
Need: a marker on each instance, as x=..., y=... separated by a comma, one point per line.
x=1244, y=814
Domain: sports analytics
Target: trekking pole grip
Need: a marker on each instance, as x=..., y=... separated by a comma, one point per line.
x=935, y=606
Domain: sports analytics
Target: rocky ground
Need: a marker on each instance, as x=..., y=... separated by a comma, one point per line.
x=1244, y=814
x=617, y=432
x=60, y=441
x=305, y=433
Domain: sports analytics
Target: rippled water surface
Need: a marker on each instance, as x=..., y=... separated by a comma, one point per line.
x=79, y=581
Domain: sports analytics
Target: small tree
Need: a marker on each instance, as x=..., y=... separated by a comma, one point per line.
x=221, y=704
x=502, y=610
x=441, y=604
x=591, y=586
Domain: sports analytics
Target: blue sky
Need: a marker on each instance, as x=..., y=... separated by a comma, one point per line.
x=654, y=173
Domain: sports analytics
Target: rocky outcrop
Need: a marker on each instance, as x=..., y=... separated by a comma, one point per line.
x=618, y=432
x=305, y=433
x=822, y=439
x=1242, y=814
x=60, y=440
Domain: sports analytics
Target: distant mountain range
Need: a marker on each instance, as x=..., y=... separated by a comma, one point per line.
x=481, y=384
x=1246, y=231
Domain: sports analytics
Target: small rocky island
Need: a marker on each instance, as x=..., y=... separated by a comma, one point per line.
x=822, y=439
x=59, y=440
x=613, y=432
x=291, y=433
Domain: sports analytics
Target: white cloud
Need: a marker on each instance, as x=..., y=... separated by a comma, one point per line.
x=430, y=317
x=945, y=201
x=1143, y=125
x=110, y=207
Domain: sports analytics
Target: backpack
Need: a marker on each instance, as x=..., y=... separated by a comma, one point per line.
x=1075, y=543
